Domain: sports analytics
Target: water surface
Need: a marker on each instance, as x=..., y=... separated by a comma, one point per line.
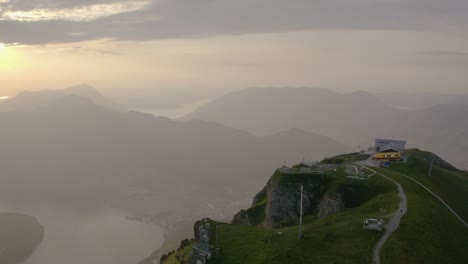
x=90, y=237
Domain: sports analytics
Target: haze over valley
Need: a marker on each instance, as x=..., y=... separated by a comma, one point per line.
x=219, y=132
x=147, y=166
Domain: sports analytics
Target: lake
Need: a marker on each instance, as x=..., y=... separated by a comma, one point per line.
x=176, y=112
x=92, y=237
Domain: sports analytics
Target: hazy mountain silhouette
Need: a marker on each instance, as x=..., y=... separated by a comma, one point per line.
x=263, y=111
x=73, y=149
x=33, y=99
x=354, y=119
x=420, y=100
x=441, y=128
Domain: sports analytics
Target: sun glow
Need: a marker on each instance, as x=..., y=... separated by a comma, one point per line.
x=4, y=97
x=9, y=57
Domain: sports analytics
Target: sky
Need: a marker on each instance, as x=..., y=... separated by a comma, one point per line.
x=180, y=51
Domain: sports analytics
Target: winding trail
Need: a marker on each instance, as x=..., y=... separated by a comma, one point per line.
x=394, y=222
x=435, y=195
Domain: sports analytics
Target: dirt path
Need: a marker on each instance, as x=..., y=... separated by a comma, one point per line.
x=436, y=196
x=394, y=222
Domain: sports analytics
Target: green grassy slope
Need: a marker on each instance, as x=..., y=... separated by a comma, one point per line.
x=447, y=182
x=345, y=158
x=182, y=254
x=428, y=233
x=338, y=238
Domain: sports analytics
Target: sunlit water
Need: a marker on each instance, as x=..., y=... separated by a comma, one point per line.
x=177, y=112
x=92, y=237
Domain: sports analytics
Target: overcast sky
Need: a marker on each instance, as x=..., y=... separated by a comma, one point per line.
x=200, y=48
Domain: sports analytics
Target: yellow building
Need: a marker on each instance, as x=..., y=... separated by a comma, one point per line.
x=389, y=154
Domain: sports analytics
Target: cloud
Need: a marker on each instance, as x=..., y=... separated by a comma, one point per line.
x=79, y=49
x=82, y=13
x=58, y=21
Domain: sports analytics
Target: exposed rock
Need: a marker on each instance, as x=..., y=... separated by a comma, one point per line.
x=256, y=213
x=331, y=203
x=283, y=198
x=243, y=218
x=278, y=203
x=260, y=196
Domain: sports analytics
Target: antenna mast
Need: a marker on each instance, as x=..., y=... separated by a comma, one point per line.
x=300, y=216
x=429, y=173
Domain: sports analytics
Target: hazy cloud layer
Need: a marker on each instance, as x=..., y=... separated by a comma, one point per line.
x=81, y=13
x=47, y=21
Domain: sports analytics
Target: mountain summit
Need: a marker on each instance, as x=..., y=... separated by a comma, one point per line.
x=34, y=99
x=354, y=119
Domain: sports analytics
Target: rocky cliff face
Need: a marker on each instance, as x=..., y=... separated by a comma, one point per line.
x=279, y=202
x=283, y=199
x=256, y=213
x=243, y=218
x=331, y=203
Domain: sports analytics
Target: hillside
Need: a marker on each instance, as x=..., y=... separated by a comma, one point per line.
x=448, y=128
x=264, y=111
x=428, y=231
x=27, y=100
x=421, y=100
x=74, y=151
x=354, y=119
x=19, y=236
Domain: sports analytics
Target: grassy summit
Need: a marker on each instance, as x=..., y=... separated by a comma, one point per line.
x=428, y=233
x=351, y=157
x=446, y=181
x=338, y=238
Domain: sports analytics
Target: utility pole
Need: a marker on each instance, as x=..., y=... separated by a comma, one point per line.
x=429, y=173
x=300, y=216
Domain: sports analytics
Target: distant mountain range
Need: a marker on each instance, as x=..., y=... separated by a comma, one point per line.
x=265, y=111
x=420, y=100
x=73, y=149
x=33, y=99
x=353, y=118
x=76, y=137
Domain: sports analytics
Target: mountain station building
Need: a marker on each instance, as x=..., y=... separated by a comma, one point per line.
x=389, y=149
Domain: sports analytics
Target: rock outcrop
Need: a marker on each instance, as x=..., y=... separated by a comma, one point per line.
x=279, y=201
x=331, y=203
x=283, y=199
x=243, y=218
x=256, y=213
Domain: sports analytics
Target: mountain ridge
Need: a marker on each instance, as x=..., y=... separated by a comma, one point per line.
x=354, y=118
x=97, y=152
x=25, y=100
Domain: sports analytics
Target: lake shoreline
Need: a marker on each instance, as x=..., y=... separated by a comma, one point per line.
x=93, y=237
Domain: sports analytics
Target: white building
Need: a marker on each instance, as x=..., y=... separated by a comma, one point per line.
x=387, y=144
